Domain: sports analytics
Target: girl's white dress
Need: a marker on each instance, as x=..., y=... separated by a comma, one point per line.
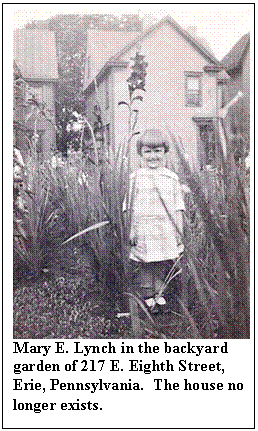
x=155, y=196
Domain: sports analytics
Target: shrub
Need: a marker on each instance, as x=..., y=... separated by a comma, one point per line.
x=217, y=247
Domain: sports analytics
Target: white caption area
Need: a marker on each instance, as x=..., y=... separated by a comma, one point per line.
x=153, y=384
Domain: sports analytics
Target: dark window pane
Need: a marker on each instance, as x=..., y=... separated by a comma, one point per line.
x=192, y=89
x=207, y=136
x=193, y=98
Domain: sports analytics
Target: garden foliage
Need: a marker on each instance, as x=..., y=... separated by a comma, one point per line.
x=60, y=198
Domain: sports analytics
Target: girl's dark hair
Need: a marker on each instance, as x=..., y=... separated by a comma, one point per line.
x=152, y=138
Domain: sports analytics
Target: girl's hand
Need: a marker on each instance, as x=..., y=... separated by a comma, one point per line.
x=180, y=248
x=133, y=241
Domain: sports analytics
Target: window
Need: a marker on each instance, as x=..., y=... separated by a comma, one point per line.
x=207, y=140
x=207, y=135
x=193, y=90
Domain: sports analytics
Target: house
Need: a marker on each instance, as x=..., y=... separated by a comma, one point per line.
x=237, y=65
x=183, y=86
x=35, y=57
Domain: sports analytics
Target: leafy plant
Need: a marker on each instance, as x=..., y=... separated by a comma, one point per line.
x=219, y=264
x=33, y=215
x=136, y=81
x=34, y=211
x=108, y=201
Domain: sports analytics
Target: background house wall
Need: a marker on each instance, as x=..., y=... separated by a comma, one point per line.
x=169, y=56
x=35, y=55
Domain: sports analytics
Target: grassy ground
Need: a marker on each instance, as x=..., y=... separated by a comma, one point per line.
x=68, y=301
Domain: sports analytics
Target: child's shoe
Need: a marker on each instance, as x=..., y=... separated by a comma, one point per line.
x=150, y=302
x=161, y=301
x=155, y=305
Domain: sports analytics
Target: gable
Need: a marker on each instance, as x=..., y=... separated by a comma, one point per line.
x=233, y=59
x=102, y=54
x=168, y=21
x=165, y=47
x=35, y=54
x=102, y=45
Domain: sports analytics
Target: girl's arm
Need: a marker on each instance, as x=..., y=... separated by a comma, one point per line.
x=179, y=225
x=180, y=207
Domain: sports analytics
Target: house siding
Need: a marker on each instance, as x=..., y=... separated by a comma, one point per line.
x=164, y=99
x=35, y=54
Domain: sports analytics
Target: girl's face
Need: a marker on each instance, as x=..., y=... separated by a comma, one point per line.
x=154, y=158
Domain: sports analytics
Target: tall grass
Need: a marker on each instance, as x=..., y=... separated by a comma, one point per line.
x=94, y=208
x=215, y=282
x=52, y=204
x=34, y=214
x=217, y=247
x=109, y=242
x=108, y=200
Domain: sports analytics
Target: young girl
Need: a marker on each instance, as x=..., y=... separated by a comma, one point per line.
x=157, y=224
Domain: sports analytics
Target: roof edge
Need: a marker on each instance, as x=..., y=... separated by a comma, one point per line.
x=108, y=65
x=232, y=66
x=203, y=51
x=184, y=33
x=54, y=80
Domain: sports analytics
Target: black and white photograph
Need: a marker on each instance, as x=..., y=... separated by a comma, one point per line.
x=128, y=262
x=131, y=171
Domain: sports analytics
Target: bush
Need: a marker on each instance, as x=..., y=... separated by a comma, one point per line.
x=217, y=248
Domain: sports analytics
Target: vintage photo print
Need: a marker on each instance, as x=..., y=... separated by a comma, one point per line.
x=131, y=171
x=131, y=304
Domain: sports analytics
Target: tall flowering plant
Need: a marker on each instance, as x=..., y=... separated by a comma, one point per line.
x=136, y=84
x=136, y=81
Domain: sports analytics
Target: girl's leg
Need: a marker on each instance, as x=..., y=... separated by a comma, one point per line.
x=160, y=271
x=147, y=280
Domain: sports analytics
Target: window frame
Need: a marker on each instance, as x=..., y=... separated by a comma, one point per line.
x=209, y=146
x=201, y=123
x=193, y=75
